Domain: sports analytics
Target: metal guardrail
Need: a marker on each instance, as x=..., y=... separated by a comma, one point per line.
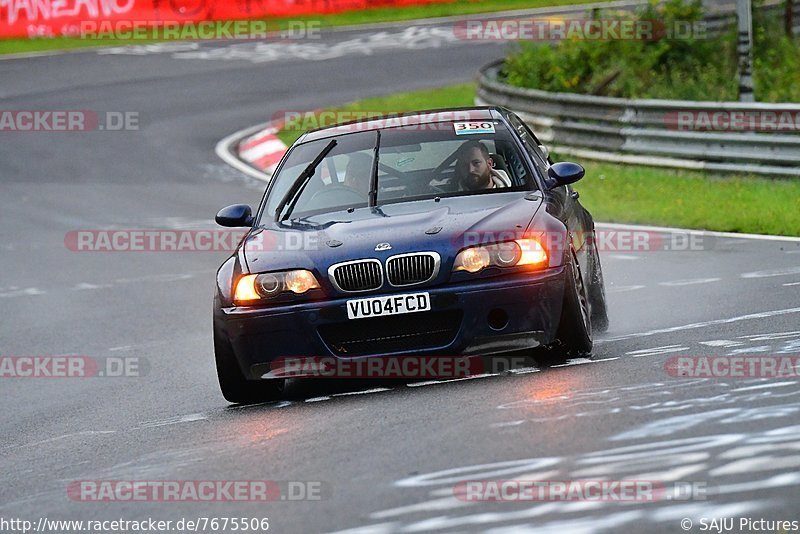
x=648, y=131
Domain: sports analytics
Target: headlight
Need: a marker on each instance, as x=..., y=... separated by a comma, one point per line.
x=299, y=282
x=472, y=260
x=506, y=254
x=255, y=287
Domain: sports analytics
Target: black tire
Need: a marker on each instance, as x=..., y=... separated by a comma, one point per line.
x=233, y=384
x=574, y=334
x=597, y=292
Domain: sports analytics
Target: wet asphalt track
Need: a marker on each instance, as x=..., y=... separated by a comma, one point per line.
x=388, y=460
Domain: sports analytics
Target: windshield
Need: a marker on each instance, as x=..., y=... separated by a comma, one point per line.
x=415, y=163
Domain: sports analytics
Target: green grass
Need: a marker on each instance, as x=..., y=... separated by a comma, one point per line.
x=643, y=195
x=690, y=199
x=346, y=18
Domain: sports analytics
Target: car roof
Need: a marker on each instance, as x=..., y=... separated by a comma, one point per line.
x=430, y=116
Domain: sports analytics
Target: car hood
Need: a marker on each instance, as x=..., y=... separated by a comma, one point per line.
x=444, y=226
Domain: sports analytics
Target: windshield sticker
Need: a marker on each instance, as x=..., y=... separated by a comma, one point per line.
x=405, y=161
x=470, y=128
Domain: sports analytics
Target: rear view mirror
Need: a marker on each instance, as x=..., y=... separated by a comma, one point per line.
x=235, y=216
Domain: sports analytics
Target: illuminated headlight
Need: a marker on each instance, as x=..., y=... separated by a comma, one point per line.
x=299, y=282
x=506, y=254
x=252, y=288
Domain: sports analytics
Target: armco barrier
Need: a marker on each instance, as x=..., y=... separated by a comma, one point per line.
x=653, y=132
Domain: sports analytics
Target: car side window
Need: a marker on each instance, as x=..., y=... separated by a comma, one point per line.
x=530, y=144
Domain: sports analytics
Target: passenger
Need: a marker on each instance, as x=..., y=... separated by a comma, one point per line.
x=358, y=173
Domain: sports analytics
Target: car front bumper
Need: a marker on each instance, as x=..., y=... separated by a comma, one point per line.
x=481, y=317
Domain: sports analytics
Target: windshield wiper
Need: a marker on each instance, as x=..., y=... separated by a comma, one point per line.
x=373, y=181
x=293, y=194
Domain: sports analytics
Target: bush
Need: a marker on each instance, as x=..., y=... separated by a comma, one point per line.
x=696, y=68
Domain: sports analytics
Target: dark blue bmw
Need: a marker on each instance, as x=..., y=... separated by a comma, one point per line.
x=443, y=232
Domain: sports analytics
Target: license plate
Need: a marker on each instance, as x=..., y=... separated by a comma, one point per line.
x=391, y=305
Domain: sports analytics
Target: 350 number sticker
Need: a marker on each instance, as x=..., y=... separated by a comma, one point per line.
x=472, y=128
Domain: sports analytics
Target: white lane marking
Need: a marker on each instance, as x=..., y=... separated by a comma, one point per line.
x=623, y=289
x=541, y=467
x=190, y=418
x=378, y=528
x=583, y=361
x=704, y=324
x=157, y=278
x=792, y=284
x=83, y=286
x=444, y=503
x=691, y=282
x=766, y=386
x=524, y=370
x=668, y=349
x=410, y=37
x=14, y=291
x=62, y=437
x=507, y=423
x=775, y=335
x=772, y=272
x=722, y=343
x=624, y=257
x=672, y=230
x=317, y=399
x=762, y=463
x=748, y=350
x=432, y=382
x=149, y=344
x=365, y=392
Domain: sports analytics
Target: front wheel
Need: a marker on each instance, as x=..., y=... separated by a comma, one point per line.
x=597, y=292
x=574, y=334
x=235, y=387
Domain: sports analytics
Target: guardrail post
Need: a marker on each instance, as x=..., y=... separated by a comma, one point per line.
x=744, y=16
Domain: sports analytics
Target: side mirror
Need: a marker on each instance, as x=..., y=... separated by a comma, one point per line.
x=564, y=173
x=235, y=216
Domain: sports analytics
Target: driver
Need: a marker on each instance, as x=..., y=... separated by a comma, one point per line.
x=475, y=169
x=358, y=172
